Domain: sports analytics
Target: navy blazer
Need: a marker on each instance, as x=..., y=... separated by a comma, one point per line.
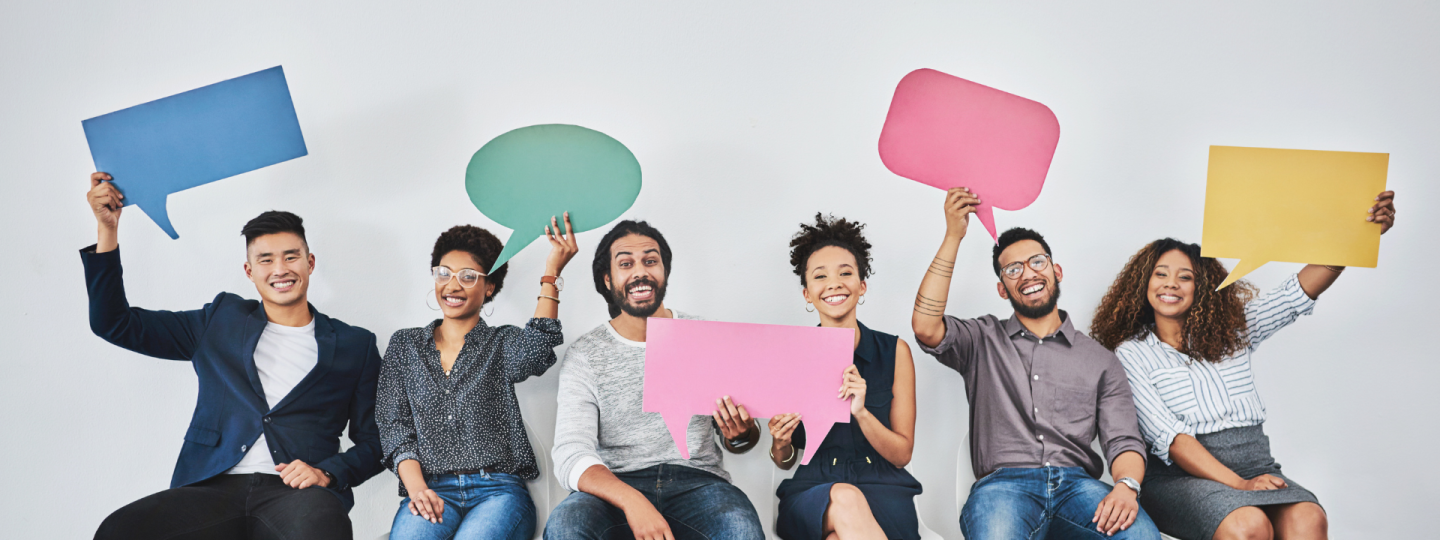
x=231, y=412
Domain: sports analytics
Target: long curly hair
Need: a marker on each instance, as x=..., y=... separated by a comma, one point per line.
x=1214, y=326
x=830, y=231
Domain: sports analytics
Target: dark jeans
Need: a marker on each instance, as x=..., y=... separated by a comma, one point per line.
x=1044, y=503
x=697, y=505
x=232, y=506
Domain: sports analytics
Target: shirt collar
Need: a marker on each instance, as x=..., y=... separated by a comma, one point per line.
x=1067, y=330
x=428, y=336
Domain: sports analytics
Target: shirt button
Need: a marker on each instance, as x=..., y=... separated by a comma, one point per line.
x=1042, y=437
x=1037, y=410
x=1047, y=463
x=243, y=447
x=1037, y=377
x=1039, y=342
x=267, y=419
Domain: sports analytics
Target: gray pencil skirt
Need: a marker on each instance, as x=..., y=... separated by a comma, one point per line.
x=1192, y=508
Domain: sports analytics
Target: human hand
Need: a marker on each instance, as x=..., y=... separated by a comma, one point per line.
x=105, y=201
x=1263, y=482
x=854, y=388
x=426, y=504
x=299, y=475
x=1117, y=511
x=562, y=246
x=1384, y=211
x=959, y=204
x=733, y=419
x=645, y=521
x=782, y=428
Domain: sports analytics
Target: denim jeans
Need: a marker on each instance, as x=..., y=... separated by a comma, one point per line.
x=1043, y=503
x=485, y=506
x=697, y=505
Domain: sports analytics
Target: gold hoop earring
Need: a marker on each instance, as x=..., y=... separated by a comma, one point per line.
x=492, y=307
x=429, y=294
x=809, y=308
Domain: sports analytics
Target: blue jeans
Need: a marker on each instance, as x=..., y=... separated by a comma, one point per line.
x=697, y=505
x=485, y=506
x=1044, y=503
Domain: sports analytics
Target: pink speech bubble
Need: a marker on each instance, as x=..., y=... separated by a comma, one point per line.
x=948, y=132
x=770, y=369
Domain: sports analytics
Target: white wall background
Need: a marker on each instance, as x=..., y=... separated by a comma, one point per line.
x=747, y=118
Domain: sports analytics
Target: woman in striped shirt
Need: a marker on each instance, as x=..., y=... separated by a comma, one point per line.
x=1186, y=349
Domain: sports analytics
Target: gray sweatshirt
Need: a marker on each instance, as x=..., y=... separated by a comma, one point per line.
x=599, y=420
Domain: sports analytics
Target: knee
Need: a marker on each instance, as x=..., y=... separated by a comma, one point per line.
x=1247, y=523
x=740, y=522
x=117, y=526
x=574, y=517
x=1309, y=519
x=848, y=499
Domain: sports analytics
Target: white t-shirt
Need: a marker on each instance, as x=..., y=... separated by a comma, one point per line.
x=284, y=356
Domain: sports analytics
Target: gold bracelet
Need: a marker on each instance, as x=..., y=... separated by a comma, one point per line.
x=792, y=454
x=557, y=300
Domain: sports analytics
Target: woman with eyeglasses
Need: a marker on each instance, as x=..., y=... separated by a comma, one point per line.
x=450, y=424
x=1186, y=348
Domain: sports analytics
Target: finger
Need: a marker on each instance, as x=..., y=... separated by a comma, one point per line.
x=1385, y=195
x=1129, y=518
x=744, y=416
x=306, y=482
x=555, y=225
x=720, y=408
x=569, y=231
x=724, y=428
x=1113, y=520
x=97, y=177
x=413, y=511
x=730, y=407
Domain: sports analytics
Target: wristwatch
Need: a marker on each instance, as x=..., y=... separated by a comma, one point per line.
x=1131, y=483
x=330, y=476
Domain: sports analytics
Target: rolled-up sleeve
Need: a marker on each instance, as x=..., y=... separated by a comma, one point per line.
x=957, y=348
x=530, y=351
x=1278, y=308
x=1158, y=423
x=1119, y=431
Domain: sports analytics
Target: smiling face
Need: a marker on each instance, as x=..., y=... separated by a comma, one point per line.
x=456, y=301
x=637, y=275
x=280, y=266
x=832, y=282
x=1172, y=285
x=1033, y=294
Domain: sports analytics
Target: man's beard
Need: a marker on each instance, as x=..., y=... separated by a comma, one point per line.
x=1040, y=310
x=620, y=298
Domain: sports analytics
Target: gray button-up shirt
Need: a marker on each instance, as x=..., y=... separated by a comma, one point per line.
x=1038, y=401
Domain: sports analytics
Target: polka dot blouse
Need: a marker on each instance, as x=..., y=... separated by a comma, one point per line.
x=469, y=419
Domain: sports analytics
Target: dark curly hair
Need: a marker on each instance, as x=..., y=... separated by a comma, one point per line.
x=1214, y=326
x=830, y=231
x=600, y=267
x=481, y=245
x=1011, y=236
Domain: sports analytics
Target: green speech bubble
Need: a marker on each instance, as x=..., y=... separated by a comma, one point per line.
x=526, y=176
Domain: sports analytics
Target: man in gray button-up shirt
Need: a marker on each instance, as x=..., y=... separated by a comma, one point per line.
x=1039, y=392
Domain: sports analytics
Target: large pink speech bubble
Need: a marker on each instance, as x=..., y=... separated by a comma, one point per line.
x=948, y=132
x=770, y=369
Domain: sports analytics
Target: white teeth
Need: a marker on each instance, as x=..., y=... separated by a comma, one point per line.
x=836, y=298
x=1033, y=288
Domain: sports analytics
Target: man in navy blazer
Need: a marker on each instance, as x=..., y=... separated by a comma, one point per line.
x=279, y=383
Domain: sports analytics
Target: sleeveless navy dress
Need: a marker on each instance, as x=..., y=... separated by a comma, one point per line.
x=846, y=456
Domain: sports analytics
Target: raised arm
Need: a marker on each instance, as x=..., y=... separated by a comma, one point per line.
x=1316, y=278
x=172, y=335
x=562, y=249
x=928, y=317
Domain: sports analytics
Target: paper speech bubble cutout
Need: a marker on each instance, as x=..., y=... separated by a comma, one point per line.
x=1303, y=206
x=526, y=176
x=770, y=369
x=194, y=138
x=948, y=132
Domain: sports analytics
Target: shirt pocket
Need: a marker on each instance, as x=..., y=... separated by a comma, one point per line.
x=1074, y=412
x=1238, y=378
x=1176, y=389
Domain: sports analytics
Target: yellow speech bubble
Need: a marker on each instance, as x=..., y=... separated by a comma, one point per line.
x=1303, y=206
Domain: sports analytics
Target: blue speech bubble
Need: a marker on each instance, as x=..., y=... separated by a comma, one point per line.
x=197, y=137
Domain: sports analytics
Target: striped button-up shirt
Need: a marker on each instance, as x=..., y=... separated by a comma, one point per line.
x=1175, y=393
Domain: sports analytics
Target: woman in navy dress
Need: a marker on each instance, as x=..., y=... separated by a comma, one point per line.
x=854, y=486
